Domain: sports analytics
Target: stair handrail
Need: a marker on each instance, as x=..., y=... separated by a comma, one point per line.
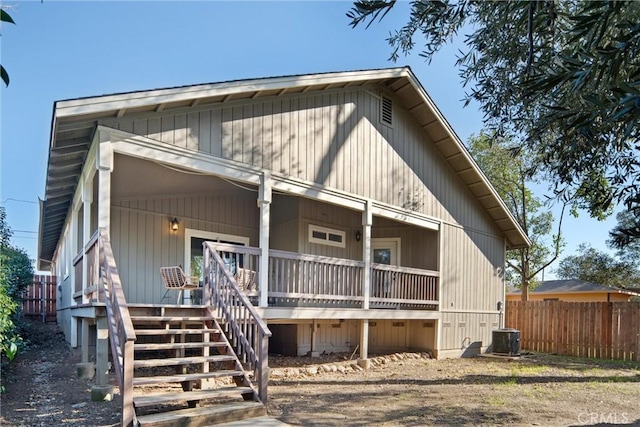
x=122, y=335
x=247, y=332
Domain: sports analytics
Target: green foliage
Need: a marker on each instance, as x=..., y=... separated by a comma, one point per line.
x=9, y=340
x=623, y=237
x=5, y=17
x=511, y=170
x=598, y=267
x=16, y=273
x=564, y=75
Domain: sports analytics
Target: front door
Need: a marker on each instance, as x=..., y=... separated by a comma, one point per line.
x=385, y=251
x=193, y=249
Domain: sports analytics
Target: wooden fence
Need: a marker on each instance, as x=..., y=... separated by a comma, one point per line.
x=605, y=330
x=39, y=299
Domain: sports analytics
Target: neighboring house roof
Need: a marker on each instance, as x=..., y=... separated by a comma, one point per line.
x=74, y=122
x=572, y=285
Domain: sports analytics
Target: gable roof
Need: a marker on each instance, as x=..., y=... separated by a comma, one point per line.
x=573, y=285
x=74, y=122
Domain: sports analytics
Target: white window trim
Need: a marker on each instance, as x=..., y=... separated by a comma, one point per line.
x=207, y=235
x=381, y=242
x=327, y=242
x=67, y=253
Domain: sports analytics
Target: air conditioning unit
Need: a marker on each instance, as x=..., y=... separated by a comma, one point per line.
x=506, y=341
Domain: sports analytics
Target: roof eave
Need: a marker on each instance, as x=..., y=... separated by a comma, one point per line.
x=521, y=240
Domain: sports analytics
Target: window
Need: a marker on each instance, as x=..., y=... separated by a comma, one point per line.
x=326, y=236
x=386, y=111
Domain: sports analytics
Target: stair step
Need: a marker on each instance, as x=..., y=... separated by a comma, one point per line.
x=177, y=345
x=203, y=416
x=188, y=319
x=162, y=398
x=178, y=378
x=172, y=361
x=176, y=331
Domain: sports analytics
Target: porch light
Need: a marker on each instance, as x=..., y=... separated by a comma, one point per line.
x=175, y=224
x=358, y=235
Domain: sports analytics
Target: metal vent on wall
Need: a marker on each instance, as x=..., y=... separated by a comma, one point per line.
x=386, y=110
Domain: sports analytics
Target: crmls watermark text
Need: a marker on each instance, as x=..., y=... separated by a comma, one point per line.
x=601, y=417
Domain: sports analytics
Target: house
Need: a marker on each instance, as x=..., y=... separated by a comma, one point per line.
x=347, y=199
x=574, y=290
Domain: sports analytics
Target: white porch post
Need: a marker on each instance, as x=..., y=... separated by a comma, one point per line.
x=105, y=167
x=264, y=203
x=367, y=220
x=87, y=198
x=72, y=236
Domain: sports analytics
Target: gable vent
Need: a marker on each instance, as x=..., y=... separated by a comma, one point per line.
x=386, y=110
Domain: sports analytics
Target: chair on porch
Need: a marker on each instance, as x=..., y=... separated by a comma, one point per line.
x=174, y=279
x=246, y=280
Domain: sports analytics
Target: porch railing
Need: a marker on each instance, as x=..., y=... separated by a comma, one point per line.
x=393, y=286
x=89, y=253
x=121, y=333
x=246, y=331
x=307, y=280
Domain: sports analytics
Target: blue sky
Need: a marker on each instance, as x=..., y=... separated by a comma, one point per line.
x=62, y=50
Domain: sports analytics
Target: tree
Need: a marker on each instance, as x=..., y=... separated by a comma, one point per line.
x=596, y=266
x=510, y=171
x=562, y=75
x=628, y=248
x=5, y=17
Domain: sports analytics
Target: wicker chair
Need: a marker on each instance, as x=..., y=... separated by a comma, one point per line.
x=174, y=279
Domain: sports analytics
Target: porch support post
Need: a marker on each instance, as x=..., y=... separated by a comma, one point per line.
x=85, y=340
x=363, y=361
x=367, y=220
x=87, y=198
x=105, y=167
x=102, y=351
x=264, y=203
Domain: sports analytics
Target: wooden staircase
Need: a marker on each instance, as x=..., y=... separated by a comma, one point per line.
x=186, y=373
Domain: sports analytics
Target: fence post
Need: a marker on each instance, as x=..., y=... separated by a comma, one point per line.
x=43, y=300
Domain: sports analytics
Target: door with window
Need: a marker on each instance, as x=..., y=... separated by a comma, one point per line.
x=194, y=257
x=384, y=251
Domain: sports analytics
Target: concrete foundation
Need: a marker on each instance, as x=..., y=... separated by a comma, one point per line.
x=364, y=363
x=86, y=371
x=101, y=393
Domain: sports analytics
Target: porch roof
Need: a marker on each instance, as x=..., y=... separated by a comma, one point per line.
x=74, y=122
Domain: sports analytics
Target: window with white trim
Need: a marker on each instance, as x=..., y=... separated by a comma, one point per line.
x=326, y=236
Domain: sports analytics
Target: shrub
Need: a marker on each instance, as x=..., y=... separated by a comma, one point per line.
x=16, y=273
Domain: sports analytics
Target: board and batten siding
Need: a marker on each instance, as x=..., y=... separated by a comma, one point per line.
x=471, y=280
x=142, y=241
x=333, y=138
x=466, y=334
x=472, y=276
x=384, y=335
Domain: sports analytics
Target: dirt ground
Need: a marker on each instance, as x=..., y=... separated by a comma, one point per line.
x=399, y=390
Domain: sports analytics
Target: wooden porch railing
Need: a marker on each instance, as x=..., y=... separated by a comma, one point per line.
x=299, y=279
x=246, y=331
x=309, y=277
x=121, y=333
x=403, y=287
x=90, y=253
